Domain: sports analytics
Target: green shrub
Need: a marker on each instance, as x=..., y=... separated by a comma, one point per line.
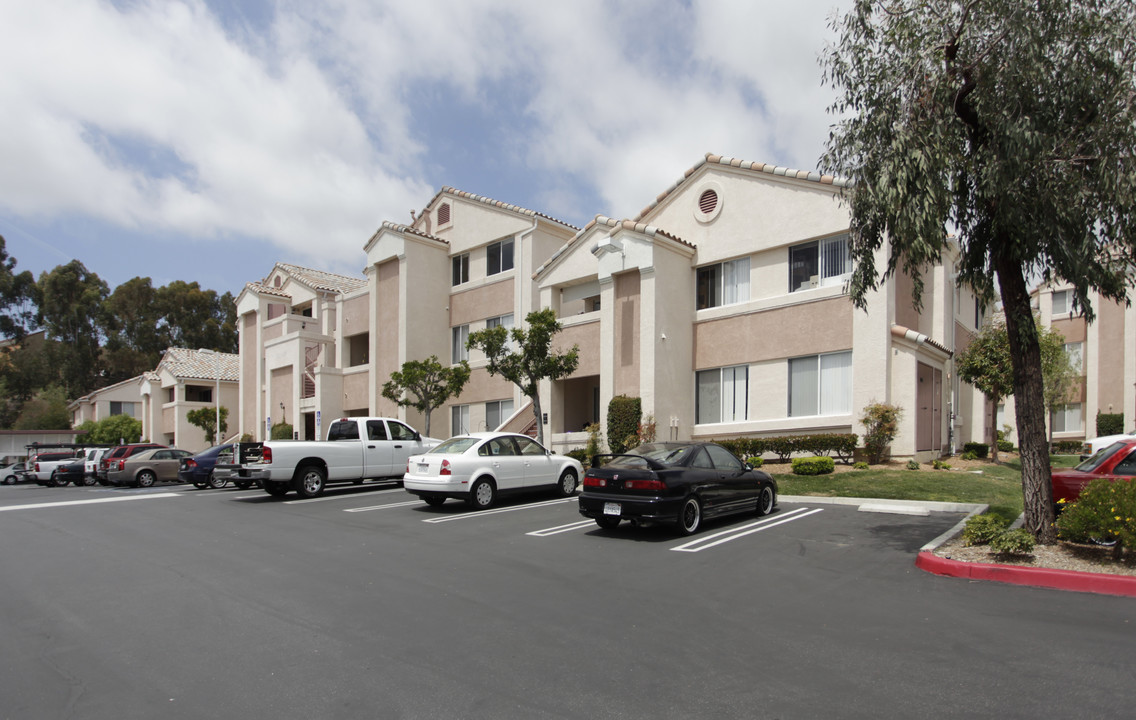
x=623, y=415
x=1109, y=423
x=1005, y=446
x=969, y=456
x=813, y=465
x=581, y=456
x=1105, y=511
x=881, y=425
x=940, y=465
x=860, y=465
x=1067, y=447
x=912, y=465
x=981, y=529
x=980, y=450
x=281, y=431
x=755, y=461
x=1018, y=541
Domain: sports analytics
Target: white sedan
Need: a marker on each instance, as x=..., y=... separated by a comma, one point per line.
x=480, y=466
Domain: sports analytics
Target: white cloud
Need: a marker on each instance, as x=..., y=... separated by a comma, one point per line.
x=306, y=134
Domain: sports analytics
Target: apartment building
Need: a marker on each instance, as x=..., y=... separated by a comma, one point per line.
x=121, y=398
x=1106, y=381
x=723, y=305
x=186, y=380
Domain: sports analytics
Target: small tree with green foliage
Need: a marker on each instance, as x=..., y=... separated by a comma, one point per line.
x=985, y=364
x=206, y=419
x=881, y=426
x=113, y=430
x=425, y=385
x=281, y=431
x=533, y=359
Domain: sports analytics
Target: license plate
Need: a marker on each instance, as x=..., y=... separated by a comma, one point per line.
x=612, y=509
x=423, y=468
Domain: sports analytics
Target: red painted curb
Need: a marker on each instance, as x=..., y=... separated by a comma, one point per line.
x=1100, y=583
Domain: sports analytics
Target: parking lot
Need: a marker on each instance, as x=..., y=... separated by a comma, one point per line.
x=176, y=602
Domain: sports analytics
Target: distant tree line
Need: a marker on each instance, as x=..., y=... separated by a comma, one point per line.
x=93, y=337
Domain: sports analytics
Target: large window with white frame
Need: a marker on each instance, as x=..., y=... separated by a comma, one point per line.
x=499, y=257
x=1067, y=418
x=459, y=337
x=1075, y=351
x=497, y=412
x=459, y=419
x=505, y=321
x=820, y=384
x=1062, y=302
x=460, y=266
x=722, y=395
x=723, y=283
x=819, y=263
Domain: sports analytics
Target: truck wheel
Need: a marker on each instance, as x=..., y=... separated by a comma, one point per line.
x=276, y=489
x=310, y=481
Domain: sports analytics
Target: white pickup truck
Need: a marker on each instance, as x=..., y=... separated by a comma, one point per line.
x=356, y=449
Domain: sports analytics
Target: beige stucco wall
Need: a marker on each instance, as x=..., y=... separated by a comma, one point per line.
x=807, y=329
x=626, y=309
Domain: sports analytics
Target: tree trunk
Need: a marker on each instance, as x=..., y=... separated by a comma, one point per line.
x=1029, y=405
x=994, y=431
x=535, y=397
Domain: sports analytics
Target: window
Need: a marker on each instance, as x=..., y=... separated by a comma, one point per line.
x=1075, y=351
x=461, y=268
x=977, y=314
x=460, y=337
x=723, y=284
x=497, y=412
x=820, y=385
x=529, y=446
x=819, y=263
x=723, y=395
x=376, y=430
x=1067, y=418
x=398, y=431
x=505, y=321
x=1061, y=302
x=122, y=408
x=459, y=419
x=724, y=459
x=499, y=257
x=343, y=430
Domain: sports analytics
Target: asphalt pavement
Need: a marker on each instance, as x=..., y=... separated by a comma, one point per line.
x=173, y=602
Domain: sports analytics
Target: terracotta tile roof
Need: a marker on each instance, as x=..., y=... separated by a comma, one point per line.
x=187, y=363
x=918, y=338
x=642, y=228
x=262, y=289
x=321, y=280
x=756, y=167
x=447, y=190
x=399, y=228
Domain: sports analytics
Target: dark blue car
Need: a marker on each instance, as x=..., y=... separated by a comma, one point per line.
x=199, y=468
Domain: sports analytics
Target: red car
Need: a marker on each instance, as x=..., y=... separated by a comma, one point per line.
x=1115, y=461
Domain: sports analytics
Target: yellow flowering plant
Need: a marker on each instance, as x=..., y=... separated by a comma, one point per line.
x=1105, y=513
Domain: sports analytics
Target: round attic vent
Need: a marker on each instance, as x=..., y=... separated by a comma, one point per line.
x=708, y=202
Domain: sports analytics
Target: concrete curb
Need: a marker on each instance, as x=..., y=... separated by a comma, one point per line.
x=928, y=561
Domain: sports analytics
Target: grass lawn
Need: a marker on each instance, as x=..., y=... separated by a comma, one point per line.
x=999, y=486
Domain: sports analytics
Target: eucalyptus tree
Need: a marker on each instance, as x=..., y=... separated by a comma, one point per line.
x=1010, y=124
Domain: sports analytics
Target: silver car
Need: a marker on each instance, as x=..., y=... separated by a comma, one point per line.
x=146, y=468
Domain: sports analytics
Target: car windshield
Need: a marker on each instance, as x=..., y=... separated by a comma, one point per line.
x=455, y=446
x=665, y=453
x=1099, y=459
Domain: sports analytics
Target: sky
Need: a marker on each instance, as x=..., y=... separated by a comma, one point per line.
x=206, y=140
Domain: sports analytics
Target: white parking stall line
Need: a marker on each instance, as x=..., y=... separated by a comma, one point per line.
x=37, y=506
x=383, y=507
x=483, y=513
x=561, y=529
x=734, y=533
x=339, y=496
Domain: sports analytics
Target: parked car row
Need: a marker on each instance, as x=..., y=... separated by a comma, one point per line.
x=677, y=483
